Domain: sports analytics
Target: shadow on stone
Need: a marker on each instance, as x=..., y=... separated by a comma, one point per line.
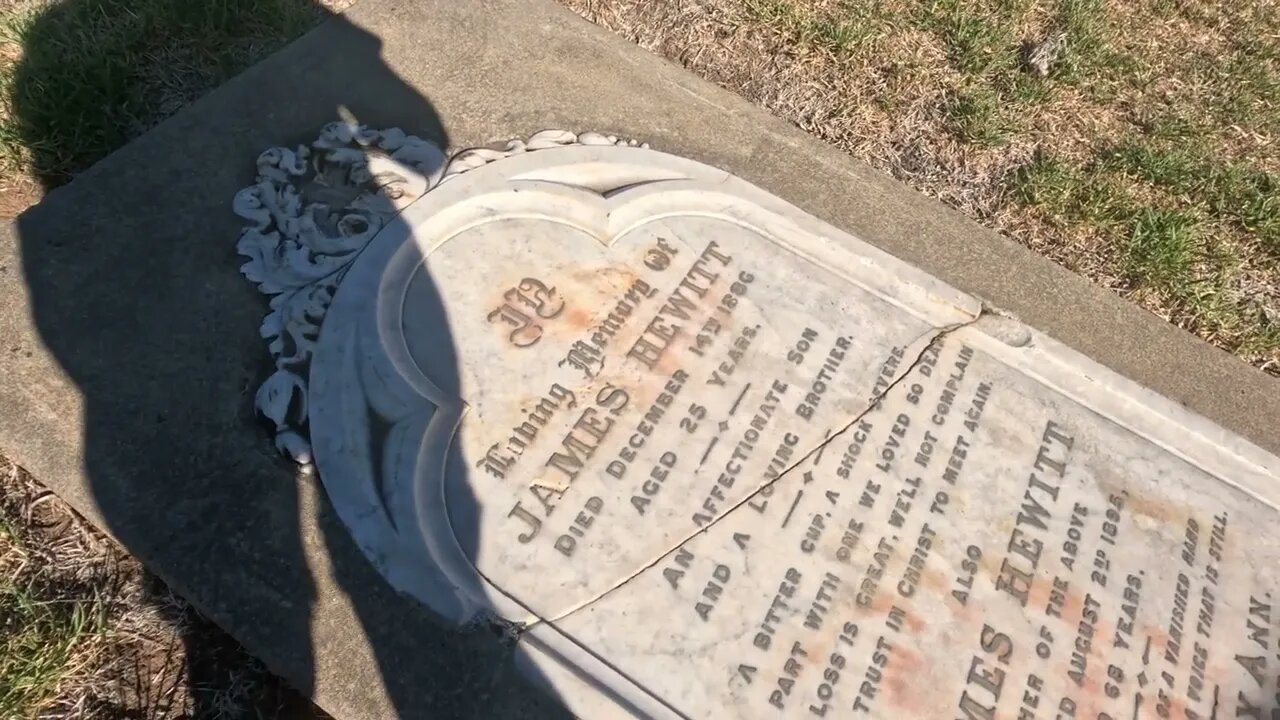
x=135, y=290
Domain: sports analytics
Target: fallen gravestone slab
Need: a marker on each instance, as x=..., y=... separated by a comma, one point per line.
x=708, y=456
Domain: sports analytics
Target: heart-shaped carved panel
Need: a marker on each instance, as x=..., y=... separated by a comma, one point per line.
x=545, y=376
x=666, y=420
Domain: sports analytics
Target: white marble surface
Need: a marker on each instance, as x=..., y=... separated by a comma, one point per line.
x=720, y=459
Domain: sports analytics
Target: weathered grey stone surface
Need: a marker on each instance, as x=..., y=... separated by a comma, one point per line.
x=131, y=348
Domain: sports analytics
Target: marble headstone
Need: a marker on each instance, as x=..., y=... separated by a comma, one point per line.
x=708, y=456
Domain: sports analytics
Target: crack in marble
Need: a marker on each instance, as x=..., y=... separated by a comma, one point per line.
x=938, y=334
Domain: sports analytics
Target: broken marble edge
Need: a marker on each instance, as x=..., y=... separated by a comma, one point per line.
x=1226, y=455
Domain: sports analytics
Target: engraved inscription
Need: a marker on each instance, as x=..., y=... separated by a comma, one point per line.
x=726, y=461
x=526, y=303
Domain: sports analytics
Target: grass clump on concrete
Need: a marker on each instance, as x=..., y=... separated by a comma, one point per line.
x=1135, y=143
x=1159, y=250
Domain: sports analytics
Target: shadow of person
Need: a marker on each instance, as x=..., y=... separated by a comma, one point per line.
x=135, y=290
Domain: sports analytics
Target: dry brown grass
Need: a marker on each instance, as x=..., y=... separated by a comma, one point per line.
x=1146, y=160
x=85, y=632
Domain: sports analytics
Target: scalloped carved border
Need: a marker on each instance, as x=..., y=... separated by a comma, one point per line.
x=310, y=213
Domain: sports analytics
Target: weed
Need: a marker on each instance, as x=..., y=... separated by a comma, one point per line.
x=1250, y=199
x=44, y=621
x=979, y=39
x=976, y=116
x=1159, y=249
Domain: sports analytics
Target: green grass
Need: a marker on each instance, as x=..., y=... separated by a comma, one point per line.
x=1250, y=199
x=981, y=40
x=1161, y=244
x=977, y=35
x=1168, y=125
x=1243, y=83
x=984, y=40
x=41, y=630
x=976, y=116
x=1160, y=247
x=844, y=34
x=1087, y=30
x=1069, y=196
x=38, y=648
x=96, y=73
